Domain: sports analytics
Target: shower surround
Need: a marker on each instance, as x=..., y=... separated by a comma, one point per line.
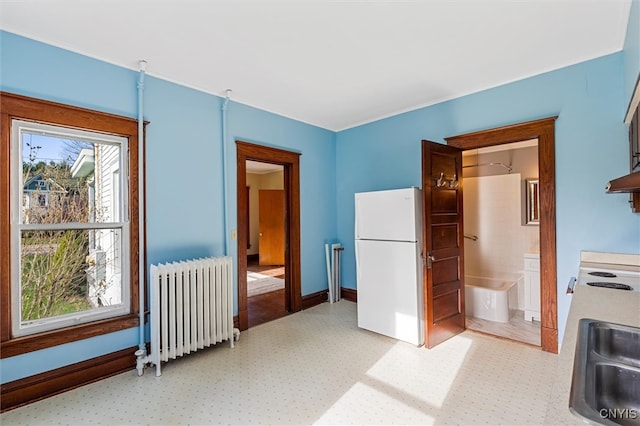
x=493, y=212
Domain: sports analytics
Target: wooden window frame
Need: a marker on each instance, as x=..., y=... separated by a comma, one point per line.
x=12, y=107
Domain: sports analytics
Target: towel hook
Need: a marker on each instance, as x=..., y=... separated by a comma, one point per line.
x=454, y=182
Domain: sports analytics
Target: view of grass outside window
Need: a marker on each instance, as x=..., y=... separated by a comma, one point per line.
x=69, y=228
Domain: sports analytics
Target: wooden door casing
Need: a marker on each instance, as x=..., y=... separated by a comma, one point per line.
x=443, y=241
x=291, y=162
x=271, y=220
x=544, y=131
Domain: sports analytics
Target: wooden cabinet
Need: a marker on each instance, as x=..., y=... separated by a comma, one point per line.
x=630, y=183
x=634, y=154
x=634, y=142
x=532, y=286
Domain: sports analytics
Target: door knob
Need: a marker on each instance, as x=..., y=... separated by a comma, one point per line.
x=430, y=259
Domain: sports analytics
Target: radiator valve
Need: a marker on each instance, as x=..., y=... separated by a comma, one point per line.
x=141, y=360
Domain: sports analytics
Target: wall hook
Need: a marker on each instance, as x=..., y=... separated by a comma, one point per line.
x=454, y=182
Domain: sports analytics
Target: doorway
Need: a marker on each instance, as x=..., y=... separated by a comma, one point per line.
x=288, y=161
x=266, y=269
x=502, y=241
x=544, y=131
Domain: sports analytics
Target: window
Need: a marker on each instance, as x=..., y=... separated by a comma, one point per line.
x=67, y=267
x=71, y=271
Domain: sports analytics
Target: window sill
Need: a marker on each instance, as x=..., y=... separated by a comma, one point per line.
x=35, y=342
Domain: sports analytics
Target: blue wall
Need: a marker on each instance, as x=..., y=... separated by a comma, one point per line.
x=591, y=149
x=632, y=50
x=317, y=181
x=184, y=151
x=184, y=162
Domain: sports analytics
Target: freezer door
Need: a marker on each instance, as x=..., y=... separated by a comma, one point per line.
x=393, y=215
x=389, y=280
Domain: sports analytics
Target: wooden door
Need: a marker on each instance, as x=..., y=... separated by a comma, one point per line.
x=271, y=226
x=443, y=239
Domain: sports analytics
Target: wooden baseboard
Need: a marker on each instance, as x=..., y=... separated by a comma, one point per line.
x=349, y=294
x=313, y=299
x=34, y=388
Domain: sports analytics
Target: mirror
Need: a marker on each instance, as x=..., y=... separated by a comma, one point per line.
x=532, y=204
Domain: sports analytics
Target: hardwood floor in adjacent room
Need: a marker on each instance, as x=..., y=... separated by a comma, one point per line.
x=268, y=306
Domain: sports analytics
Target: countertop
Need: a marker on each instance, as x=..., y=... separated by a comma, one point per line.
x=617, y=306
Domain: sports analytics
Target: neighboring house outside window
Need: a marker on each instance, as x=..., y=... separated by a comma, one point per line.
x=69, y=215
x=104, y=272
x=36, y=193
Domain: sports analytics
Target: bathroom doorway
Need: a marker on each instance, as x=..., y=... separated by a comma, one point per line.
x=543, y=131
x=502, y=241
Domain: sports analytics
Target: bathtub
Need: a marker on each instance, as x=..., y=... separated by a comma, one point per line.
x=488, y=298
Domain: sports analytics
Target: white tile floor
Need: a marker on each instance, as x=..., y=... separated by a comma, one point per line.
x=317, y=367
x=516, y=329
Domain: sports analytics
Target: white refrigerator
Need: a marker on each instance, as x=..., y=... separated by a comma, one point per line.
x=388, y=237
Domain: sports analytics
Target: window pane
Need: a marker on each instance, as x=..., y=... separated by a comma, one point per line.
x=69, y=180
x=70, y=271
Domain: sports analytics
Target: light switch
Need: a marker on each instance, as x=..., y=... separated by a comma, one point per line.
x=234, y=234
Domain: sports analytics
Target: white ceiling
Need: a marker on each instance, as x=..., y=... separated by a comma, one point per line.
x=261, y=168
x=335, y=64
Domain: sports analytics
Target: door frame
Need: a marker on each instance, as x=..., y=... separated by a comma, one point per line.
x=291, y=162
x=544, y=131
